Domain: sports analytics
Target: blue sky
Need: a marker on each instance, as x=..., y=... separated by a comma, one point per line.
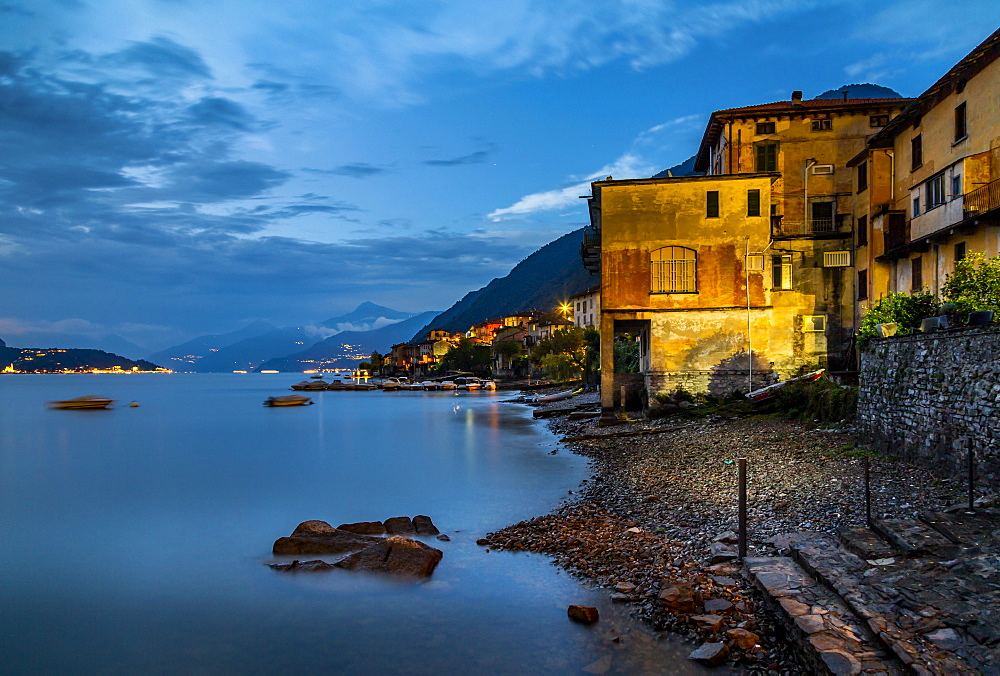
x=171, y=168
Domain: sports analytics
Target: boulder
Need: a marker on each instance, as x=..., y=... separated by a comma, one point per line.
x=304, y=566
x=680, y=598
x=443, y=538
x=712, y=654
x=584, y=614
x=319, y=537
x=718, y=605
x=712, y=623
x=743, y=639
x=400, y=525
x=396, y=555
x=364, y=527
x=721, y=553
x=424, y=525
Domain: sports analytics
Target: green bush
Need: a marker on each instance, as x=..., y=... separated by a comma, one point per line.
x=561, y=367
x=905, y=309
x=975, y=284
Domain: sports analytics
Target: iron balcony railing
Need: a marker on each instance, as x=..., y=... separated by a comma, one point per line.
x=591, y=237
x=815, y=226
x=983, y=199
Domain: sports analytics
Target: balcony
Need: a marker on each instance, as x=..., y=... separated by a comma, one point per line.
x=816, y=228
x=590, y=250
x=982, y=200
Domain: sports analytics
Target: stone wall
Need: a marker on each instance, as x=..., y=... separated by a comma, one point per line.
x=926, y=397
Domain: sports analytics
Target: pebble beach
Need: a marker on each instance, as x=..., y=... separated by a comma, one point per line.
x=656, y=522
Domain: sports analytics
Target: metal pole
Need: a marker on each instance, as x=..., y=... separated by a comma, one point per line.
x=743, y=507
x=868, y=492
x=972, y=474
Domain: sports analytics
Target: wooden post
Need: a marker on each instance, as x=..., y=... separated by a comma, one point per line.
x=743, y=507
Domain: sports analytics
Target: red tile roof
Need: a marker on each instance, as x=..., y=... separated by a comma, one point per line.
x=810, y=103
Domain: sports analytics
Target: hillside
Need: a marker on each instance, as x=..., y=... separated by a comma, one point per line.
x=541, y=281
x=183, y=357
x=48, y=360
x=346, y=349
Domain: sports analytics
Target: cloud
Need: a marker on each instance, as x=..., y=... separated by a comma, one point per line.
x=473, y=158
x=354, y=170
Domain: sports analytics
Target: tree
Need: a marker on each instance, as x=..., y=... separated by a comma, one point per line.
x=591, y=356
x=975, y=284
x=507, y=350
x=561, y=367
x=466, y=356
x=626, y=354
x=375, y=363
x=565, y=341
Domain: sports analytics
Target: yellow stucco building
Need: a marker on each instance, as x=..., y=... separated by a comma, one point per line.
x=927, y=186
x=753, y=258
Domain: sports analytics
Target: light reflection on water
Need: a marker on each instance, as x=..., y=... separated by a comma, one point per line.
x=136, y=538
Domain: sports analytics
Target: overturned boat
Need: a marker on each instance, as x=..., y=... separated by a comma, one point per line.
x=765, y=393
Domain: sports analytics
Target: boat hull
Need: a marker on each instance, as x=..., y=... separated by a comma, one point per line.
x=288, y=400
x=89, y=402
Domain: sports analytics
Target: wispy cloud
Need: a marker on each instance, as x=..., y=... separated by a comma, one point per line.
x=472, y=158
x=353, y=170
x=660, y=140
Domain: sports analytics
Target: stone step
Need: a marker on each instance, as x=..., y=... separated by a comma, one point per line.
x=973, y=529
x=900, y=601
x=865, y=543
x=914, y=538
x=832, y=639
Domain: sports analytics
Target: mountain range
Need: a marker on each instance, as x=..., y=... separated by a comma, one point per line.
x=542, y=281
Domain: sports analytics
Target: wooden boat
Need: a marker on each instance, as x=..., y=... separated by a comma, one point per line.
x=765, y=393
x=391, y=384
x=288, y=400
x=489, y=384
x=88, y=402
x=555, y=396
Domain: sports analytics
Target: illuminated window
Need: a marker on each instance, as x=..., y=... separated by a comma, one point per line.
x=674, y=270
x=781, y=271
x=814, y=323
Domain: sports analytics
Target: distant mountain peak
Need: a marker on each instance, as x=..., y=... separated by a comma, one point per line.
x=861, y=91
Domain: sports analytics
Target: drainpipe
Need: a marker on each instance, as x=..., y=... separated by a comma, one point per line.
x=805, y=192
x=746, y=274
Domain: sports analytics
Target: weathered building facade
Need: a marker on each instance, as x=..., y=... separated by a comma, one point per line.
x=744, y=275
x=927, y=186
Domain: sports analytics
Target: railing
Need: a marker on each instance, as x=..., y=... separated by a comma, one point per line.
x=590, y=249
x=815, y=226
x=591, y=237
x=897, y=233
x=982, y=199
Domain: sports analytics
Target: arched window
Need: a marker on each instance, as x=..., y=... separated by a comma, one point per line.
x=674, y=269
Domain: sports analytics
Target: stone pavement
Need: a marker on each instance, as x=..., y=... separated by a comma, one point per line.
x=916, y=595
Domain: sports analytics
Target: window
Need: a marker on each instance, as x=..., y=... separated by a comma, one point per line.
x=674, y=270
x=822, y=217
x=766, y=156
x=822, y=125
x=814, y=323
x=755, y=262
x=916, y=273
x=960, y=252
x=916, y=152
x=781, y=271
x=753, y=202
x=961, y=124
x=862, y=230
x=862, y=177
x=862, y=284
x=765, y=127
x=836, y=259
x=712, y=204
x=878, y=120
x=935, y=192
x=916, y=207
x=956, y=186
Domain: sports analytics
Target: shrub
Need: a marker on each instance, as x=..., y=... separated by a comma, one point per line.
x=975, y=284
x=821, y=400
x=561, y=367
x=905, y=309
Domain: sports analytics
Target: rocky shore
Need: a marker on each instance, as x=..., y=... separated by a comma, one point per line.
x=656, y=522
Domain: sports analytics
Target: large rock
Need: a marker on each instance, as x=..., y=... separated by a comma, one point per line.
x=712, y=654
x=302, y=566
x=364, y=527
x=681, y=598
x=424, y=525
x=319, y=537
x=396, y=555
x=400, y=525
x=584, y=614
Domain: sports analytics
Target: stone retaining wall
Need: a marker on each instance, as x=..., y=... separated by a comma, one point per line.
x=927, y=397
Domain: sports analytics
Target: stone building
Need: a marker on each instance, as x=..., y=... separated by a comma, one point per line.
x=586, y=307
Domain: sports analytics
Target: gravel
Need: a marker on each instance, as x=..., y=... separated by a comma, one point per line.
x=646, y=518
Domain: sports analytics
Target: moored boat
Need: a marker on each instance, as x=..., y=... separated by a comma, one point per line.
x=555, y=396
x=288, y=400
x=765, y=393
x=391, y=384
x=489, y=384
x=448, y=385
x=88, y=402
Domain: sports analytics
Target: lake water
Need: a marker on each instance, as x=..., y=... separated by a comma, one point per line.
x=136, y=539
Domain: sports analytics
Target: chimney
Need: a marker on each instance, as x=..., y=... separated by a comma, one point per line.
x=797, y=98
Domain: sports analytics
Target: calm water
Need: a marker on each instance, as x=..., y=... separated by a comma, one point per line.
x=135, y=539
